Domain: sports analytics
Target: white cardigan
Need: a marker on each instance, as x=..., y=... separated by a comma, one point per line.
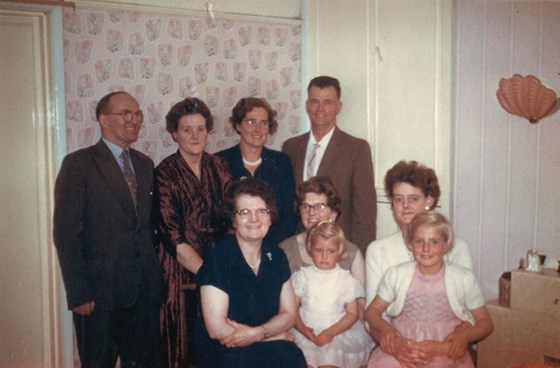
x=463, y=291
x=390, y=251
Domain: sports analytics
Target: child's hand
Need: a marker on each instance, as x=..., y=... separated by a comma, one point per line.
x=308, y=333
x=324, y=338
x=409, y=354
x=458, y=345
x=425, y=350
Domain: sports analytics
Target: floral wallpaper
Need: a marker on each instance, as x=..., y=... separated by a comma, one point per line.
x=161, y=59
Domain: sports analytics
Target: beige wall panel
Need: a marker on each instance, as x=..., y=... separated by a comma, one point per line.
x=28, y=301
x=506, y=170
x=412, y=80
x=393, y=59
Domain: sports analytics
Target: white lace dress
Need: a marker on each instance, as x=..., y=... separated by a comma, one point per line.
x=323, y=295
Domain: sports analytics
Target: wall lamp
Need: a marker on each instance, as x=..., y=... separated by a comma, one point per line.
x=527, y=97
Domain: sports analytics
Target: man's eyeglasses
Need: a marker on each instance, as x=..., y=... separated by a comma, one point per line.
x=254, y=122
x=246, y=214
x=317, y=207
x=128, y=115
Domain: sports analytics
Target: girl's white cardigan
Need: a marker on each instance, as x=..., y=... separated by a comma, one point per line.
x=463, y=290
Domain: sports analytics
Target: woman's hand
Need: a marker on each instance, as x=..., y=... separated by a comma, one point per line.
x=463, y=334
x=458, y=345
x=390, y=341
x=242, y=335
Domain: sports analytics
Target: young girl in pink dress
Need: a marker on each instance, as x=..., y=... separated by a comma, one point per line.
x=327, y=328
x=427, y=300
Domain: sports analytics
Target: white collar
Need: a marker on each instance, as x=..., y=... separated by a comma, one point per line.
x=323, y=141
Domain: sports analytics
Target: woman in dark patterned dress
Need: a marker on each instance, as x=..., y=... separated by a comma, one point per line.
x=188, y=194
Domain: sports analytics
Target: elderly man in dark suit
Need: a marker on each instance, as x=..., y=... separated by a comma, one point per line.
x=328, y=151
x=103, y=235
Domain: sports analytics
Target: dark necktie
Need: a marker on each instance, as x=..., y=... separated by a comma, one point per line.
x=129, y=175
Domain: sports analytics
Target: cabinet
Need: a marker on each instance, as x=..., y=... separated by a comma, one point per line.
x=529, y=330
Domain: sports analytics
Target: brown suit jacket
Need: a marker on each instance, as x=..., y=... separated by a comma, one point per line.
x=105, y=247
x=347, y=161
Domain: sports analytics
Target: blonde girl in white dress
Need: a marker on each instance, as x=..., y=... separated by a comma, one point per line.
x=328, y=329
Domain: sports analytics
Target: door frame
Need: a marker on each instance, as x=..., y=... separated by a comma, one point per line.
x=58, y=351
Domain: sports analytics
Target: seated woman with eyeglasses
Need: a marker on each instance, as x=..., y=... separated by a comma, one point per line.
x=248, y=304
x=317, y=200
x=254, y=120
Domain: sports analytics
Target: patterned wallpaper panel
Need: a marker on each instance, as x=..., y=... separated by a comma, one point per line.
x=161, y=58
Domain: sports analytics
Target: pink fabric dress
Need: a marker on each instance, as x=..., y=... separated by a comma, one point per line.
x=426, y=315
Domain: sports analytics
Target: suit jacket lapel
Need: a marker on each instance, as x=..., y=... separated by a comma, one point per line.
x=331, y=153
x=144, y=178
x=114, y=176
x=299, y=162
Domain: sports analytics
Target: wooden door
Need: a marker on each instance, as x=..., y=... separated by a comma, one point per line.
x=30, y=307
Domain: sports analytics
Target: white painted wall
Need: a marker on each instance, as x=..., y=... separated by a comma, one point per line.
x=506, y=170
x=419, y=82
x=393, y=59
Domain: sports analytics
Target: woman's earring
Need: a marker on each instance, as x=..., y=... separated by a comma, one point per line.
x=427, y=208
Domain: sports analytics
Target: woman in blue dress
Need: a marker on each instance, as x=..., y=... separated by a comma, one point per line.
x=254, y=120
x=248, y=304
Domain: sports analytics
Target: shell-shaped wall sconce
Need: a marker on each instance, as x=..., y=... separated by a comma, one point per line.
x=527, y=97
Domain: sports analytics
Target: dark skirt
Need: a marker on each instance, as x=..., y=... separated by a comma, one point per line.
x=210, y=353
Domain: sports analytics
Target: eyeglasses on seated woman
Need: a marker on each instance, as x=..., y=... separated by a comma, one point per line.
x=248, y=304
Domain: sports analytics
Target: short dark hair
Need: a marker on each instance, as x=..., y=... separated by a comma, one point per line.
x=104, y=104
x=188, y=106
x=325, y=81
x=435, y=219
x=245, y=105
x=415, y=174
x=253, y=187
x=319, y=185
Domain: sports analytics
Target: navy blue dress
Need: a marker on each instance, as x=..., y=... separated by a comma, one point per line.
x=253, y=300
x=276, y=170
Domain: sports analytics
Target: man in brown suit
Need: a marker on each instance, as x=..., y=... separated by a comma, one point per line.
x=103, y=235
x=328, y=151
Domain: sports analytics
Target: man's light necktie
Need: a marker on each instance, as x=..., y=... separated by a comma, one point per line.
x=312, y=160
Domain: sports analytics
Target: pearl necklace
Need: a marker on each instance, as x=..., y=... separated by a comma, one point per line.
x=252, y=163
x=255, y=266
